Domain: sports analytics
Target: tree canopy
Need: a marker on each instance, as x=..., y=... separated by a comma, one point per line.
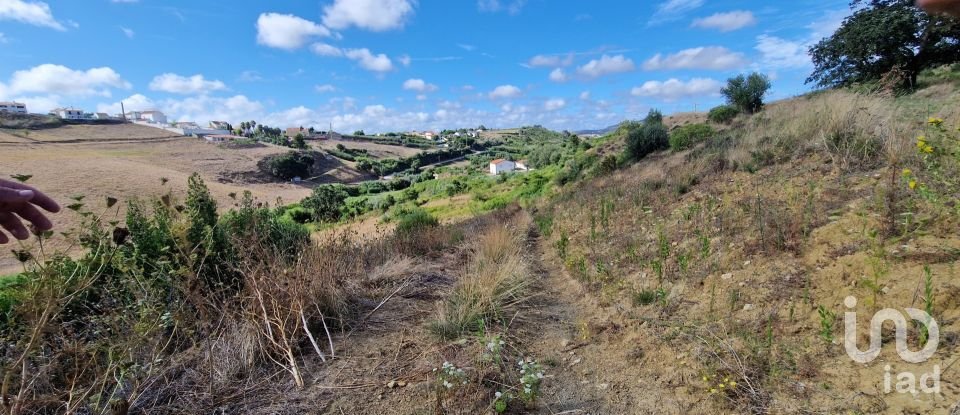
x=747, y=92
x=884, y=37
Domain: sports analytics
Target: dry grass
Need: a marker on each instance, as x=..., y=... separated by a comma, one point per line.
x=492, y=285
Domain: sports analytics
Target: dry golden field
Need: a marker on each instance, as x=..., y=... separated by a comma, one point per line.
x=131, y=161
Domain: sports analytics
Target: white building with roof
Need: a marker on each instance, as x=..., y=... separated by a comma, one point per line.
x=69, y=113
x=14, y=107
x=155, y=117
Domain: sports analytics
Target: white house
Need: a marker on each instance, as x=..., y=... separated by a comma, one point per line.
x=14, y=107
x=68, y=113
x=155, y=117
x=101, y=116
x=501, y=166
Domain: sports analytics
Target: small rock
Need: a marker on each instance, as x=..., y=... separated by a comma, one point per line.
x=748, y=307
x=743, y=284
x=746, y=263
x=391, y=384
x=726, y=276
x=885, y=290
x=564, y=343
x=575, y=361
x=401, y=384
x=603, y=386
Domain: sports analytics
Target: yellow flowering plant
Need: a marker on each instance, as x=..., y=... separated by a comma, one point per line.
x=939, y=152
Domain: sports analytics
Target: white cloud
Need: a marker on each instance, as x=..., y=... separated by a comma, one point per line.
x=324, y=49
x=200, y=109
x=324, y=88
x=369, y=61
x=671, y=10
x=33, y=13
x=375, y=15
x=709, y=57
x=674, y=89
x=176, y=84
x=493, y=6
x=781, y=53
x=505, y=91
x=726, y=22
x=128, y=32
x=585, y=95
x=250, y=76
x=550, y=61
x=418, y=85
x=405, y=60
x=606, y=65
x=468, y=48
x=135, y=102
x=558, y=75
x=286, y=31
x=61, y=80
x=554, y=104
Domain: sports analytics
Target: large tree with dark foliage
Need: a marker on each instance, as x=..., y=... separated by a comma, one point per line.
x=885, y=37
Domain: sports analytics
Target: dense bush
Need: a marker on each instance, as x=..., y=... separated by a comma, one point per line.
x=689, y=135
x=415, y=220
x=290, y=165
x=723, y=114
x=747, y=92
x=326, y=202
x=648, y=137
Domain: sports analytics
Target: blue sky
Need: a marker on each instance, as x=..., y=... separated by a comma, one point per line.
x=391, y=65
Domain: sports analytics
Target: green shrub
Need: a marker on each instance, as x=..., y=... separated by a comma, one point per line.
x=747, y=92
x=723, y=114
x=606, y=166
x=299, y=214
x=648, y=137
x=290, y=165
x=326, y=202
x=415, y=220
x=689, y=136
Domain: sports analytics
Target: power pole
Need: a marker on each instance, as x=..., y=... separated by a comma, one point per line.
x=123, y=112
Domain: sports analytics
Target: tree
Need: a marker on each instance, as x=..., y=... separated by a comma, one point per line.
x=299, y=142
x=326, y=202
x=647, y=137
x=359, y=133
x=290, y=165
x=747, y=92
x=885, y=37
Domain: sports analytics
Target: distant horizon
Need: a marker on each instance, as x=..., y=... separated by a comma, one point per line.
x=401, y=65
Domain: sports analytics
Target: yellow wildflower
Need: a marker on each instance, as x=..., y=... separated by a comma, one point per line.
x=733, y=384
x=928, y=149
x=913, y=184
x=935, y=121
x=907, y=172
x=713, y=391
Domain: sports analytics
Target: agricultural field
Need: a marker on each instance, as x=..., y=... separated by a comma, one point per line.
x=136, y=162
x=375, y=151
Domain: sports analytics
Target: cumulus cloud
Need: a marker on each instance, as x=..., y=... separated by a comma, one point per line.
x=286, y=31
x=375, y=15
x=606, y=65
x=369, y=61
x=672, y=10
x=405, y=60
x=585, y=95
x=418, y=85
x=781, y=53
x=324, y=49
x=176, y=84
x=726, y=22
x=61, y=80
x=558, y=75
x=323, y=89
x=33, y=13
x=550, y=61
x=674, y=89
x=505, y=92
x=710, y=57
x=200, y=109
x=554, y=104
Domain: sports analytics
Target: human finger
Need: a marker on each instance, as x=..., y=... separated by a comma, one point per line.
x=34, y=216
x=12, y=224
x=11, y=195
x=3, y=238
x=36, y=197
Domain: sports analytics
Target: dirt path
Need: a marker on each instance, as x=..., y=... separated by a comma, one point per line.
x=595, y=352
